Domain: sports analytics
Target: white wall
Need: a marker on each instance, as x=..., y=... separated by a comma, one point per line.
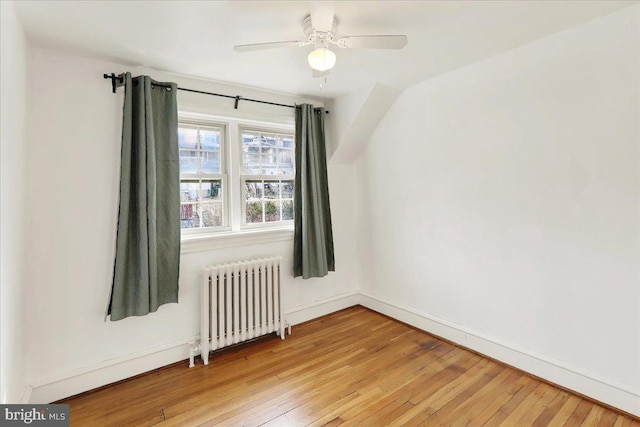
x=355, y=117
x=73, y=165
x=13, y=90
x=502, y=201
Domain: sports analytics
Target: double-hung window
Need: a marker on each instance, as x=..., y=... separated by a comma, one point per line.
x=202, y=176
x=267, y=177
x=234, y=176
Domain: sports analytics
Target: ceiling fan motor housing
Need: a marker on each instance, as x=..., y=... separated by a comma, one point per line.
x=319, y=38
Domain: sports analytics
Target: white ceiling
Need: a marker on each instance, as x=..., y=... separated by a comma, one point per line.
x=196, y=37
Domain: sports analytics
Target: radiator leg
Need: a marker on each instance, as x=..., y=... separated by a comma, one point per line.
x=204, y=353
x=193, y=350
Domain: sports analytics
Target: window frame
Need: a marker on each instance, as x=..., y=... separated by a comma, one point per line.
x=271, y=130
x=232, y=167
x=188, y=122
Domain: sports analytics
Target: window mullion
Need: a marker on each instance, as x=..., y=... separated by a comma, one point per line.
x=200, y=198
x=198, y=167
x=233, y=147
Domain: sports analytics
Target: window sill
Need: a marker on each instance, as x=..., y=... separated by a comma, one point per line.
x=195, y=243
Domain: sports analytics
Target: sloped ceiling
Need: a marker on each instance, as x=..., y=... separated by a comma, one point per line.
x=196, y=37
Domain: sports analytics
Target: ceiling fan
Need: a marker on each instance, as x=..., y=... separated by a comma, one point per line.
x=320, y=28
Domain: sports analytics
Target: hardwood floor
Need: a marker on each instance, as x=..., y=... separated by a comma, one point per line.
x=353, y=367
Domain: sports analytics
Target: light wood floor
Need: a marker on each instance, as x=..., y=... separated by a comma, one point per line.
x=354, y=367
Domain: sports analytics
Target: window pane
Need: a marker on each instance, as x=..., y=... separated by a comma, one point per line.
x=251, y=163
x=287, y=189
x=272, y=211
x=268, y=141
x=188, y=161
x=211, y=190
x=253, y=190
x=209, y=139
x=287, y=210
x=254, y=212
x=284, y=158
x=210, y=161
x=271, y=190
x=250, y=139
x=189, y=191
x=211, y=214
x=187, y=138
x=189, y=216
x=287, y=142
x=269, y=160
x=270, y=170
x=266, y=149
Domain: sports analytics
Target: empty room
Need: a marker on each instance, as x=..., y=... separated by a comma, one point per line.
x=292, y=213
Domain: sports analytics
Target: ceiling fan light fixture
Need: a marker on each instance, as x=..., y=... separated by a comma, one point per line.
x=321, y=59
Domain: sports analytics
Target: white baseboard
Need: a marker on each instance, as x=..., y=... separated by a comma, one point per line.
x=304, y=313
x=26, y=396
x=604, y=390
x=109, y=371
x=58, y=387
x=80, y=380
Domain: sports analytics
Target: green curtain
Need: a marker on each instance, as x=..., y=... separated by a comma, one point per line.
x=313, y=237
x=146, y=269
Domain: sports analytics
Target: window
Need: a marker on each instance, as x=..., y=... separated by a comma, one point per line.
x=234, y=176
x=267, y=177
x=202, y=177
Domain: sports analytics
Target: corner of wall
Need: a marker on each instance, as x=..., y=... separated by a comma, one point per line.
x=13, y=82
x=357, y=115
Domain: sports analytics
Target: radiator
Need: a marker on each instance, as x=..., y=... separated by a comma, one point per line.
x=240, y=301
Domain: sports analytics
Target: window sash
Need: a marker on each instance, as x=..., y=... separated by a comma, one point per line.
x=224, y=223
x=275, y=134
x=206, y=125
x=263, y=200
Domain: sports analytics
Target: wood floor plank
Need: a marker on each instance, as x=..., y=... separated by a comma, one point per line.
x=549, y=393
x=351, y=368
x=608, y=419
x=545, y=417
x=512, y=403
x=623, y=421
x=593, y=417
x=428, y=403
x=514, y=416
x=477, y=402
x=492, y=406
x=281, y=421
x=579, y=415
x=440, y=410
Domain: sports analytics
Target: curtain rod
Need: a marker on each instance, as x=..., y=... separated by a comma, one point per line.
x=117, y=81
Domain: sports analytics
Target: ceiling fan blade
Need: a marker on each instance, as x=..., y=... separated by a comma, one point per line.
x=263, y=46
x=322, y=14
x=372, y=42
x=317, y=74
